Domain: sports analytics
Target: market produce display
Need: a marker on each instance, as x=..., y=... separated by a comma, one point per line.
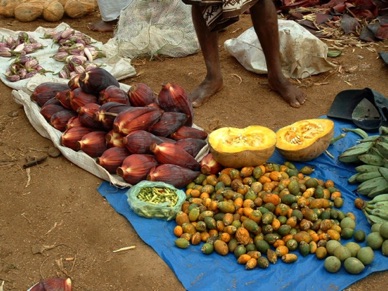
x=236, y=202
x=370, y=157
x=152, y=141
x=76, y=50
x=52, y=53
x=354, y=259
x=22, y=44
x=23, y=66
x=375, y=210
x=264, y=212
x=267, y=213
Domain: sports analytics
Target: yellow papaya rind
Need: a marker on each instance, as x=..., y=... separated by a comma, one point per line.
x=308, y=149
x=243, y=159
x=239, y=147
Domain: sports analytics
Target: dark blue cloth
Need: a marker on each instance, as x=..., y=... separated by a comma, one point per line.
x=197, y=271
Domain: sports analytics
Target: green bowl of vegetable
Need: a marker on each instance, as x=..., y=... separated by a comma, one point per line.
x=152, y=199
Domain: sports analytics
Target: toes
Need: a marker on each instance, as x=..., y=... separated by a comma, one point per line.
x=92, y=27
x=295, y=104
x=199, y=101
x=196, y=104
x=302, y=99
x=192, y=97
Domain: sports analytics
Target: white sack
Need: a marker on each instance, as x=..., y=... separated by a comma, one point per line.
x=302, y=53
x=152, y=27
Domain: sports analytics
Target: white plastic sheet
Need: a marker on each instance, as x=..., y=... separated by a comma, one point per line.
x=151, y=28
x=302, y=53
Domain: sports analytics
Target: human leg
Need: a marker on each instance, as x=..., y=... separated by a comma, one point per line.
x=208, y=41
x=264, y=19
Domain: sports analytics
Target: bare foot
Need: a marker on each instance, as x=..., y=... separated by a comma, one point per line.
x=204, y=91
x=290, y=93
x=102, y=26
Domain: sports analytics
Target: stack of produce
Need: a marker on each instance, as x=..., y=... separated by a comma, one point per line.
x=24, y=66
x=375, y=210
x=22, y=44
x=49, y=10
x=370, y=157
x=262, y=214
x=135, y=133
x=76, y=50
x=269, y=212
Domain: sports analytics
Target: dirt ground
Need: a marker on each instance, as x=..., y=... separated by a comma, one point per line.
x=53, y=222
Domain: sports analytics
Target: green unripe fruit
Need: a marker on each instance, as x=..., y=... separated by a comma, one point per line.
x=353, y=247
x=384, y=248
x=374, y=240
x=331, y=245
x=375, y=227
x=348, y=222
x=359, y=235
x=342, y=253
x=384, y=230
x=332, y=264
x=366, y=255
x=347, y=232
x=353, y=265
x=182, y=243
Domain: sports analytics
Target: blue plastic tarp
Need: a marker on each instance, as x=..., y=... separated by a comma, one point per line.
x=197, y=271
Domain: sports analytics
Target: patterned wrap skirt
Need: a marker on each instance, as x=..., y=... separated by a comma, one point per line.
x=219, y=14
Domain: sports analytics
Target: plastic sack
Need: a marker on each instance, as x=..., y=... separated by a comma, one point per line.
x=302, y=53
x=154, y=210
x=149, y=28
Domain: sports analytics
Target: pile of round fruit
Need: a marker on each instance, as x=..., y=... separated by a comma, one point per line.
x=352, y=256
x=273, y=212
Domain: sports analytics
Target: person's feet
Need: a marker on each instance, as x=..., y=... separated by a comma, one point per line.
x=102, y=26
x=204, y=91
x=290, y=93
